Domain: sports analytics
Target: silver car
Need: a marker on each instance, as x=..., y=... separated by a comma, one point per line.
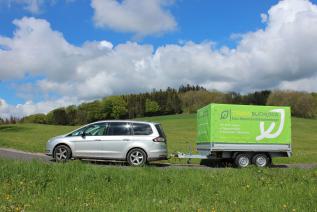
x=133, y=141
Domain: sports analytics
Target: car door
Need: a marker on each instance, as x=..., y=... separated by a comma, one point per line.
x=88, y=142
x=117, y=137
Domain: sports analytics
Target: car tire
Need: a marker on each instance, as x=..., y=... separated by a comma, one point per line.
x=261, y=160
x=136, y=157
x=62, y=153
x=242, y=160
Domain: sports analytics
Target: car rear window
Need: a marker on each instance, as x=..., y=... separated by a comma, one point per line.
x=160, y=130
x=142, y=129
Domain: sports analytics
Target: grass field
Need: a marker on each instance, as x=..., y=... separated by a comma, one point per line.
x=75, y=186
x=29, y=137
x=180, y=130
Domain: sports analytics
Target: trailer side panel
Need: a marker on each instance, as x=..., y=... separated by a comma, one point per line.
x=223, y=127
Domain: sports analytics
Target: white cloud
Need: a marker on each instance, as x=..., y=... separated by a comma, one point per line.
x=306, y=84
x=281, y=55
x=38, y=50
x=142, y=17
x=264, y=18
x=105, y=44
x=29, y=107
x=32, y=6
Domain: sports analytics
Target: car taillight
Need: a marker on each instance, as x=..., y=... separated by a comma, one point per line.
x=159, y=139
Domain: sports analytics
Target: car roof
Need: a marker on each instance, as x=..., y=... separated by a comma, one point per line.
x=131, y=121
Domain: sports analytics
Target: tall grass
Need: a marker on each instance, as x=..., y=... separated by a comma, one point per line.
x=34, y=186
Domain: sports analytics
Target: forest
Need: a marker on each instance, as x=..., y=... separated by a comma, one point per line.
x=186, y=99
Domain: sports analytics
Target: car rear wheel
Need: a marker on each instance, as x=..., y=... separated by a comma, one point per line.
x=136, y=157
x=62, y=153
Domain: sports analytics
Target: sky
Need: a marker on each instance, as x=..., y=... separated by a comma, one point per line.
x=55, y=53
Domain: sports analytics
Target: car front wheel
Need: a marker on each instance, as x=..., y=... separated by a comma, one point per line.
x=62, y=153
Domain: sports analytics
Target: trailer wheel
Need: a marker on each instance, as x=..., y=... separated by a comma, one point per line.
x=261, y=160
x=242, y=160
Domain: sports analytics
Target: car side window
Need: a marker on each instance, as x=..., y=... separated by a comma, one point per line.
x=119, y=128
x=142, y=129
x=98, y=129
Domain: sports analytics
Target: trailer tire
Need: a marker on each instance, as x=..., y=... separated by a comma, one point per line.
x=261, y=160
x=242, y=160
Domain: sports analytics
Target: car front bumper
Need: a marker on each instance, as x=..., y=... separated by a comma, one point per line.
x=49, y=149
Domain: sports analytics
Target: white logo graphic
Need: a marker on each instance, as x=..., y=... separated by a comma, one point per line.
x=268, y=133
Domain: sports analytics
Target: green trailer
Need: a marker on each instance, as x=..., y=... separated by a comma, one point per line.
x=244, y=133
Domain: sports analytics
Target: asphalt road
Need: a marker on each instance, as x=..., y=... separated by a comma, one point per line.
x=20, y=155
x=27, y=156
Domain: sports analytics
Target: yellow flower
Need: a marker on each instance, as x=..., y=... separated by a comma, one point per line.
x=7, y=197
x=284, y=206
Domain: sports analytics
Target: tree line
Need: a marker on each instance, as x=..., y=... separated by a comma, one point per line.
x=11, y=120
x=186, y=99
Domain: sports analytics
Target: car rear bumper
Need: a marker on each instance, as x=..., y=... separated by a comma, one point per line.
x=158, y=158
x=158, y=155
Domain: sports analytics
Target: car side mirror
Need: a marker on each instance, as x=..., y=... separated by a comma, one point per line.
x=83, y=134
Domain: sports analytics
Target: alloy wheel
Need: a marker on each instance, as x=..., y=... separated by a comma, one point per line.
x=136, y=157
x=62, y=153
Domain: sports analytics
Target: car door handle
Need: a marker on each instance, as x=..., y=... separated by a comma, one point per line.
x=126, y=139
x=97, y=139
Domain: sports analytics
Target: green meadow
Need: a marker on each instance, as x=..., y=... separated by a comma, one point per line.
x=180, y=131
x=77, y=186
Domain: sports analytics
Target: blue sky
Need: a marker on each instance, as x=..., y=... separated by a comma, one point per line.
x=173, y=41
x=198, y=20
